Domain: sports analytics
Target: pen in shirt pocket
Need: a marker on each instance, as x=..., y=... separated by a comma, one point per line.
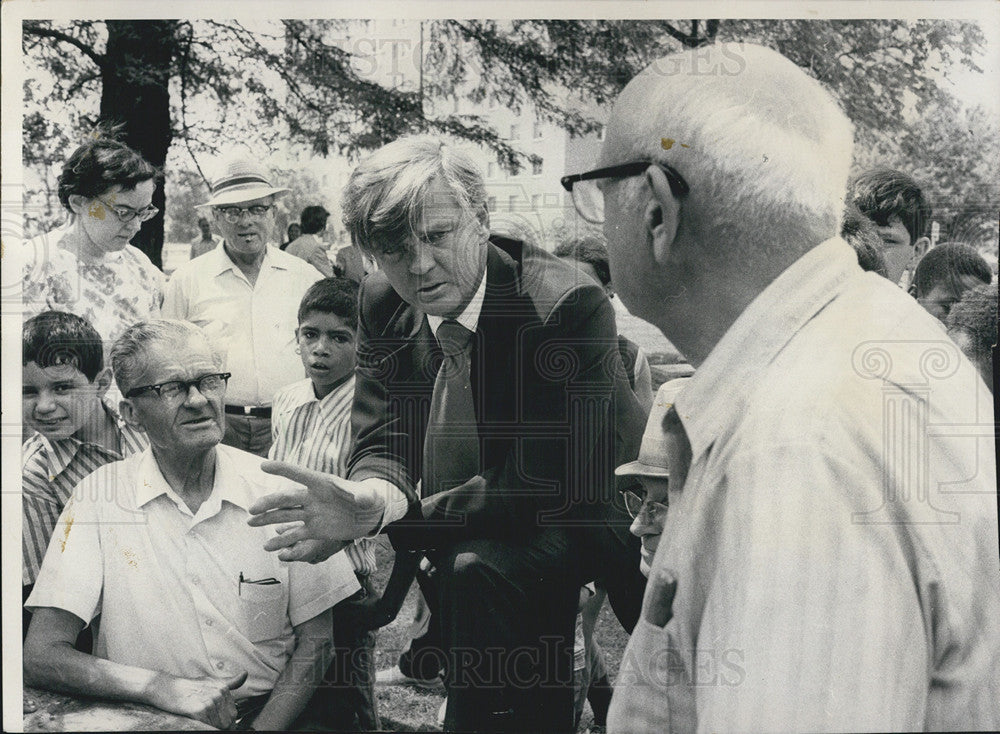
x=270, y=580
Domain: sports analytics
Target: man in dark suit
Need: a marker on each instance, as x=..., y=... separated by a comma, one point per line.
x=489, y=373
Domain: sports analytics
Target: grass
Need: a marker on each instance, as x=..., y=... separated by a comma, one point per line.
x=405, y=708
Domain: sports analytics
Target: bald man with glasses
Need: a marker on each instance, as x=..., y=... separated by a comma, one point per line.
x=828, y=555
x=245, y=295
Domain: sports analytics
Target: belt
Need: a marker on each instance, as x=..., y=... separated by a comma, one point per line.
x=256, y=411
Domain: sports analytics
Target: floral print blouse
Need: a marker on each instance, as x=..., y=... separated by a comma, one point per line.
x=112, y=293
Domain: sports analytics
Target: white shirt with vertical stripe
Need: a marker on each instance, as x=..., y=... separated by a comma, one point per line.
x=834, y=547
x=316, y=434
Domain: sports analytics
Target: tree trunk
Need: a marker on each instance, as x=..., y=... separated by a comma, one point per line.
x=136, y=92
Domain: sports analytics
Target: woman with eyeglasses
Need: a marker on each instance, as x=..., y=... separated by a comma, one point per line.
x=87, y=267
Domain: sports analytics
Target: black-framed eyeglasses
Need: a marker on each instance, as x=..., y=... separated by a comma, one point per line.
x=232, y=214
x=588, y=198
x=127, y=214
x=208, y=385
x=636, y=503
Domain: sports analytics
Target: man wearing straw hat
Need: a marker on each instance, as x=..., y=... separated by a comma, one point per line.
x=245, y=296
x=660, y=449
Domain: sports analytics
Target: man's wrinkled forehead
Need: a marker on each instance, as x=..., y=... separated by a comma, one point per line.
x=176, y=353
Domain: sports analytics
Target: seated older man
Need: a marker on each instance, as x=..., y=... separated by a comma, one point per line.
x=196, y=618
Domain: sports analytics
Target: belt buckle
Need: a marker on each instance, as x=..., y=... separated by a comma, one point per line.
x=247, y=410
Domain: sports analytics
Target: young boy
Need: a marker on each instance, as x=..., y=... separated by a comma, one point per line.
x=945, y=274
x=972, y=325
x=311, y=427
x=894, y=201
x=74, y=430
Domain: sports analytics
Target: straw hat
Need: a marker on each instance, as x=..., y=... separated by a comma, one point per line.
x=240, y=179
x=652, y=459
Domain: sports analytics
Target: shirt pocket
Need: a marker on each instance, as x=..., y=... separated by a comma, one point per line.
x=263, y=611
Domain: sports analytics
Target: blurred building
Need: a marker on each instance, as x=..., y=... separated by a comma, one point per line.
x=530, y=203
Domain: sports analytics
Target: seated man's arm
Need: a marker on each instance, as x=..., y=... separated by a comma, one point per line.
x=301, y=676
x=51, y=661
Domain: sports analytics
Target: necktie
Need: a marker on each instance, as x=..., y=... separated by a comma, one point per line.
x=451, y=444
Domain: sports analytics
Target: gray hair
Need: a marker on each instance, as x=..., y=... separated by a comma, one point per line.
x=764, y=147
x=385, y=195
x=130, y=351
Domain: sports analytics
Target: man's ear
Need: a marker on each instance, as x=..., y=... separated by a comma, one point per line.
x=78, y=204
x=127, y=413
x=483, y=215
x=661, y=214
x=921, y=246
x=102, y=382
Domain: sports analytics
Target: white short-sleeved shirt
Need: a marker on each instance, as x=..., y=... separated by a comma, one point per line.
x=253, y=324
x=167, y=583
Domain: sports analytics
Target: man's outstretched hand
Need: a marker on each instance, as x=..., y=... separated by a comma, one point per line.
x=328, y=513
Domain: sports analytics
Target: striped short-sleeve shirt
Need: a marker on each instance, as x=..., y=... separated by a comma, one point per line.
x=49, y=472
x=316, y=434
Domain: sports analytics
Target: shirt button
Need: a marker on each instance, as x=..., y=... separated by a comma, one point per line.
x=208, y=622
x=220, y=665
x=195, y=580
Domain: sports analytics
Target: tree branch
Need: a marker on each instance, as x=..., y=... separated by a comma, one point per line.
x=33, y=29
x=684, y=38
x=81, y=83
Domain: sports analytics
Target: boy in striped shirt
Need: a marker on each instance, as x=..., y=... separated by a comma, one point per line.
x=311, y=427
x=74, y=429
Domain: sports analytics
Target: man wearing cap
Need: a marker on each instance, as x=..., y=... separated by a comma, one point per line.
x=245, y=296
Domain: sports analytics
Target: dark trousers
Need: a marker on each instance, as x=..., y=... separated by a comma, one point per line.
x=424, y=658
x=345, y=700
x=617, y=561
x=506, y=614
x=248, y=432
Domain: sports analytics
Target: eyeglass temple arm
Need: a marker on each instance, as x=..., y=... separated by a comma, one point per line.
x=678, y=186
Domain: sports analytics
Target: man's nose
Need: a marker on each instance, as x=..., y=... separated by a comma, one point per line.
x=421, y=259
x=194, y=397
x=640, y=525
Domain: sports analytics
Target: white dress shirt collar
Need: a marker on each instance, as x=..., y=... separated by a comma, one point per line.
x=469, y=318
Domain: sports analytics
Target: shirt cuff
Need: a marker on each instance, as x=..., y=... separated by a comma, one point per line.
x=396, y=504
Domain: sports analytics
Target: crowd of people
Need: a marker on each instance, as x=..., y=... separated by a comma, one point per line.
x=800, y=536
